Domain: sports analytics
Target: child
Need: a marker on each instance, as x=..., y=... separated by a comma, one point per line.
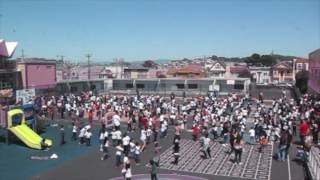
x=143, y=138
x=132, y=149
x=81, y=135
x=263, y=143
x=88, y=135
x=195, y=132
x=148, y=133
x=113, y=137
x=176, y=149
x=105, y=148
x=137, y=153
x=119, y=151
x=62, y=141
x=118, y=136
x=128, y=173
x=74, y=132
x=102, y=138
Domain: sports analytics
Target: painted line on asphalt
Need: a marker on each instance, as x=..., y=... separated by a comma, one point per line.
x=289, y=169
x=259, y=161
x=270, y=167
x=247, y=161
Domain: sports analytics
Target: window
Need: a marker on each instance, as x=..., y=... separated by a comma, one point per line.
x=265, y=74
x=299, y=66
x=180, y=86
x=92, y=87
x=238, y=86
x=73, y=89
x=129, y=86
x=192, y=86
x=140, y=86
x=49, y=67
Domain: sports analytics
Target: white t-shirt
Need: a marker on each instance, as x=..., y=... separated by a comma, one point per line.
x=149, y=132
x=143, y=135
x=88, y=134
x=106, y=134
x=128, y=173
x=74, y=129
x=82, y=132
x=126, y=140
x=137, y=150
x=118, y=135
x=252, y=132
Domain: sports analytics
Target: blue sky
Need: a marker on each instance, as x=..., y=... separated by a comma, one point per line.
x=160, y=29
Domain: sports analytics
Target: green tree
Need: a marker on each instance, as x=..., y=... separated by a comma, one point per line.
x=254, y=59
x=149, y=64
x=268, y=60
x=302, y=81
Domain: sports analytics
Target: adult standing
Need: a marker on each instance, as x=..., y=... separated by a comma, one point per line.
x=154, y=170
x=304, y=130
x=238, y=147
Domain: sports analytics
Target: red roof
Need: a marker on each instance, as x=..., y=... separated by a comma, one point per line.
x=239, y=68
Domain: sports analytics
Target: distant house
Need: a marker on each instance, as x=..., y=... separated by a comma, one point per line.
x=135, y=71
x=81, y=73
x=314, y=71
x=283, y=72
x=116, y=70
x=187, y=72
x=299, y=64
x=106, y=74
x=10, y=78
x=237, y=70
x=261, y=75
x=38, y=74
x=216, y=69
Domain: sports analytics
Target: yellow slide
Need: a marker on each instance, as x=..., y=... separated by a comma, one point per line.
x=28, y=136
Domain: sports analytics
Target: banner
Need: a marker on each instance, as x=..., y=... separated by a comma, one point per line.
x=25, y=95
x=231, y=82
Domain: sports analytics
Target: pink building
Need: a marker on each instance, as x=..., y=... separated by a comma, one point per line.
x=314, y=71
x=39, y=74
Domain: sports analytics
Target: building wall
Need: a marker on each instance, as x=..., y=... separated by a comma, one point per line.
x=287, y=76
x=40, y=76
x=314, y=71
x=299, y=65
x=22, y=69
x=261, y=76
x=179, y=85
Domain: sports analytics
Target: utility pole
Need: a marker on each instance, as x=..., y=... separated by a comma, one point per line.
x=60, y=57
x=88, y=56
x=22, y=55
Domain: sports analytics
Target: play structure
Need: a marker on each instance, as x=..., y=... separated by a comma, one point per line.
x=16, y=123
x=29, y=115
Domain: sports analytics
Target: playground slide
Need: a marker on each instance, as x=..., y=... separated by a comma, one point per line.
x=28, y=136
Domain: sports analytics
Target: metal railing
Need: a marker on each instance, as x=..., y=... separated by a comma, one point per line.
x=314, y=163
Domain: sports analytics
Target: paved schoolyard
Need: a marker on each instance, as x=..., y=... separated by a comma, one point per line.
x=255, y=165
x=80, y=162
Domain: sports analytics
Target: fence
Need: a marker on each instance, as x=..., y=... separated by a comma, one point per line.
x=314, y=163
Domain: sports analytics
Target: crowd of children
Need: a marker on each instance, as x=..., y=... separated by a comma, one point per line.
x=209, y=117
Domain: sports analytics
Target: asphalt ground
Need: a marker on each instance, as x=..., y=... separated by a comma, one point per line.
x=90, y=166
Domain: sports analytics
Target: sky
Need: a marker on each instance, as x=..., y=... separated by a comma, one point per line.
x=160, y=29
